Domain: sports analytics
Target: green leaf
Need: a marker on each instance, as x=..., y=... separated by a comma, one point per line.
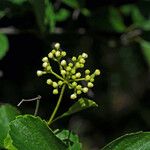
x=116, y=20
x=39, y=10
x=69, y=138
x=50, y=18
x=72, y=3
x=81, y=104
x=4, y=45
x=133, y=141
x=145, y=45
x=18, y=2
x=62, y=15
x=31, y=133
x=7, y=114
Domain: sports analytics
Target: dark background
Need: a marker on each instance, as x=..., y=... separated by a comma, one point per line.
x=114, y=33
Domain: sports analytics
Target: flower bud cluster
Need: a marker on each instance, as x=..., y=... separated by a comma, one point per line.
x=69, y=72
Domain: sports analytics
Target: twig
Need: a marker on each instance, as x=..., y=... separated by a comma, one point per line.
x=37, y=99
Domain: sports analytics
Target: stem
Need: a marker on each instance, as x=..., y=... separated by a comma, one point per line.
x=37, y=107
x=56, y=75
x=57, y=105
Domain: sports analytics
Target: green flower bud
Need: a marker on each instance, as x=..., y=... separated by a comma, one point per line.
x=60, y=83
x=63, y=63
x=55, y=85
x=78, y=75
x=70, y=64
x=97, y=72
x=85, y=89
x=48, y=68
x=63, y=72
x=90, y=85
x=79, y=92
x=63, y=53
x=55, y=91
x=49, y=81
x=74, y=84
x=50, y=55
x=73, y=77
x=68, y=68
x=77, y=65
x=73, y=71
x=87, y=71
x=92, y=80
x=78, y=87
x=74, y=58
x=73, y=96
x=45, y=59
x=53, y=51
x=84, y=55
x=39, y=73
x=57, y=54
x=82, y=60
x=81, y=65
x=57, y=46
x=87, y=77
x=45, y=64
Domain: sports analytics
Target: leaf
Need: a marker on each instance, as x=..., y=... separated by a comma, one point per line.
x=72, y=3
x=133, y=141
x=39, y=10
x=81, y=104
x=50, y=19
x=7, y=114
x=69, y=138
x=18, y=2
x=4, y=45
x=116, y=20
x=145, y=45
x=62, y=15
x=31, y=133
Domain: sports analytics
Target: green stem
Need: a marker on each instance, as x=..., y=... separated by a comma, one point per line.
x=57, y=105
x=56, y=75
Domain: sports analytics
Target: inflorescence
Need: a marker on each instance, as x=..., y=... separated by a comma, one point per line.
x=69, y=72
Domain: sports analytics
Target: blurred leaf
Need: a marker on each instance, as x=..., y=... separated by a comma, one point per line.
x=72, y=3
x=39, y=10
x=50, y=19
x=85, y=12
x=137, y=17
x=28, y=132
x=145, y=45
x=69, y=138
x=7, y=114
x=4, y=45
x=18, y=2
x=2, y=14
x=62, y=15
x=116, y=20
x=133, y=141
x=126, y=9
x=81, y=104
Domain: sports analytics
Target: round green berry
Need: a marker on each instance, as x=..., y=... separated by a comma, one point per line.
x=57, y=46
x=60, y=83
x=73, y=96
x=63, y=72
x=49, y=81
x=87, y=71
x=85, y=89
x=78, y=75
x=57, y=54
x=63, y=53
x=45, y=64
x=78, y=87
x=55, y=85
x=45, y=59
x=87, y=77
x=74, y=84
x=39, y=73
x=74, y=58
x=50, y=55
x=97, y=72
x=79, y=92
x=63, y=63
x=90, y=85
x=55, y=91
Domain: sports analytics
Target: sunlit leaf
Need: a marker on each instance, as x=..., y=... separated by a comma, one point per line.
x=4, y=45
x=31, y=133
x=133, y=141
x=18, y=2
x=7, y=114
